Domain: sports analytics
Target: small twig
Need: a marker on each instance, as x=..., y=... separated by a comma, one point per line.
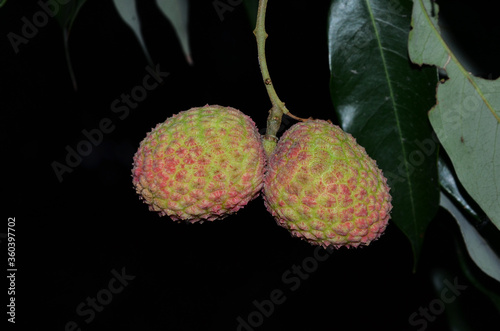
x=278, y=107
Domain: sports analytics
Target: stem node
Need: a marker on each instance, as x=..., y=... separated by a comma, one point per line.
x=278, y=108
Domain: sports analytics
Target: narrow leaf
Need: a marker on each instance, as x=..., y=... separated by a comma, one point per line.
x=65, y=16
x=382, y=100
x=479, y=250
x=2, y=3
x=466, y=117
x=176, y=11
x=128, y=12
x=68, y=58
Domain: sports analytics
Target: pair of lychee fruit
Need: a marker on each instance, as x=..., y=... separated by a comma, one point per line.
x=206, y=163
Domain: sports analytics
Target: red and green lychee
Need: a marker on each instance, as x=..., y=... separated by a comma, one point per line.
x=201, y=164
x=323, y=187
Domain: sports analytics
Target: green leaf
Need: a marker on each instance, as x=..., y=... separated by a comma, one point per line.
x=2, y=3
x=478, y=248
x=128, y=12
x=477, y=281
x=484, y=283
x=176, y=11
x=66, y=16
x=382, y=100
x=449, y=184
x=466, y=117
x=67, y=13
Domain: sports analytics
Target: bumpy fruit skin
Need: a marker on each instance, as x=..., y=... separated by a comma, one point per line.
x=323, y=187
x=200, y=165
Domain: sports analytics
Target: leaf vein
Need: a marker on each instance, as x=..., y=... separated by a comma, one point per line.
x=384, y=61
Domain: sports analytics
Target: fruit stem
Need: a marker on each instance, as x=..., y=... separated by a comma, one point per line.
x=278, y=107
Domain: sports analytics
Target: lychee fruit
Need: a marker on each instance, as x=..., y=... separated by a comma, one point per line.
x=322, y=186
x=201, y=164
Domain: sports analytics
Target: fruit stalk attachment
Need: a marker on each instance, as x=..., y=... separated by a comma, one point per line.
x=278, y=107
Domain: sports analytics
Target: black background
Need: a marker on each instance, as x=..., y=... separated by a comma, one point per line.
x=72, y=234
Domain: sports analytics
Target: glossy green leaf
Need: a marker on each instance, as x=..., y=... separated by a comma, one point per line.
x=449, y=184
x=466, y=117
x=176, y=11
x=479, y=250
x=382, y=100
x=128, y=12
x=2, y=3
